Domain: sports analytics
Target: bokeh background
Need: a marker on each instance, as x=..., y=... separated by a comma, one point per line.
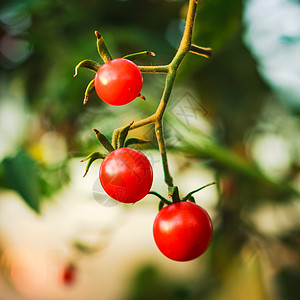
x=233, y=119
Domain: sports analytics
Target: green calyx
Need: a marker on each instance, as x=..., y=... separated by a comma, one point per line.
x=120, y=142
x=174, y=195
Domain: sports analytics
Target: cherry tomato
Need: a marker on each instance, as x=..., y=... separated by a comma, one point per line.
x=182, y=231
x=68, y=274
x=126, y=175
x=118, y=81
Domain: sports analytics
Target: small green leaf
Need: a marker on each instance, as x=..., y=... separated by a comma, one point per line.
x=138, y=55
x=21, y=174
x=88, y=64
x=102, y=49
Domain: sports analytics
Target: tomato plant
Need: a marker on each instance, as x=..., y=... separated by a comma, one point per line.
x=118, y=81
x=182, y=231
x=126, y=175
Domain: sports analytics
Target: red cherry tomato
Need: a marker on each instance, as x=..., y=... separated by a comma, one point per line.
x=118, y=81
x=126, y=175
x=68, y=274
x=182, y=231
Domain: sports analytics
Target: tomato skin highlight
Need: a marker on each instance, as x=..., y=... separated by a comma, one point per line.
x=118, y=81
x=182, y=231
x=126, y=175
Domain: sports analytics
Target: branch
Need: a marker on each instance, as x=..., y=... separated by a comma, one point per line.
x=171, y=71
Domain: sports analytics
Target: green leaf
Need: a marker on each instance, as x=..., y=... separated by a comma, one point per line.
x=21, y=174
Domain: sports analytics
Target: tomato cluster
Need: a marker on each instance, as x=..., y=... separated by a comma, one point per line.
x=182, y=230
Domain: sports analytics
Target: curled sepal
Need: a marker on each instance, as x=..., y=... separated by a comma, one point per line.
x=162, y=199
x=138, y=55
x=135, y=141
x=141, y=97
x=89, y=90
x=88, y=64
x=123, y=135
x=189, y=195
x=102, y=49
x=205, y=52
x=104, y=141
x=91, y=158
x=174, y=193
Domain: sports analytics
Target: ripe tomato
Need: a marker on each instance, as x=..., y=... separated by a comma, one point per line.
x=126, y=175
x=118, y=81
x=182, y=231
x=68, y=274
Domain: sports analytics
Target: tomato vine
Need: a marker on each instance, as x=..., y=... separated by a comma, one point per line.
x=126, y=82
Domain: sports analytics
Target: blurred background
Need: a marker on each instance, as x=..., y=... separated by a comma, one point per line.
x=233, y=119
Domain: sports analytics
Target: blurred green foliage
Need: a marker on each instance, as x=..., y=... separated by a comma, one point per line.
x=240, y=106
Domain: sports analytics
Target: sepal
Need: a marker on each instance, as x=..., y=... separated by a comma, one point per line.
x=138, y=55
x=103, y=140
x=88, y=64
x=102, y=49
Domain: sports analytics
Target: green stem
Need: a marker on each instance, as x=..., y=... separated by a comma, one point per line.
x=154, y=69
x=171, y=71
x=166, y=94
x=163, y=152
